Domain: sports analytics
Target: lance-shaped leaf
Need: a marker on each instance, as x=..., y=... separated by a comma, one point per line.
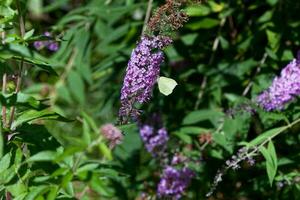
x=271, y=160
x=31, y=115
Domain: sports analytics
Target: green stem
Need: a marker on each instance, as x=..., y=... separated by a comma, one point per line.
x=148, y=13
x=225, y=168
x=20, y=72
x=4, y=83
x=210, y=62
x=281, y=131
x=253, y=152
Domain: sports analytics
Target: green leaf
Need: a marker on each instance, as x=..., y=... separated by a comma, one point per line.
x=86, y=132
x=196, y=11
x=193, y=130
x=18, y=157
x=21, y=196
x=31, y=115
x=264, y=136
x=266, y=16
x=43, y=156
x=216, y=7
x=17, y=189
x=90, y=121
x=224, y=42
x=201, y=115
x=67, y=179
x=220, y=139
x=131, y=142
x=272, y=152
x=35, y=191
x=184, y=137
x=287, y=55
x=7, y=175
x=35, y=7
x=166, y=85
x=271, y=160
x=87, y=167
x=76, y=86
x=64, y=93
x=189, y=39
x=236, y=126
x=41, y=64
x=271, y=53
x=6, y=13
x=5, y=162
x=28, y=34
x=272, y=2
x=52, y=193
x=273, y=38
x=59, y=172
x=206, y=23
x=21, y=99
x=22, y=53
x=275, y=116
x=105, y=151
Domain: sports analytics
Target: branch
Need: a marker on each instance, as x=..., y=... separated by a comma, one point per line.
x=262, y=61
x=211, y=60
x=148, y=13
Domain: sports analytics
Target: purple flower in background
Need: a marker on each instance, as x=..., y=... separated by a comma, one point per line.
x=155, y=140
x=112, y=134
x=49, y=44
x=283, y=89
x=53, y=46
x=178, y=159
x=174, y=182
x=47, y=33
x=142, y=72
x=38, y=45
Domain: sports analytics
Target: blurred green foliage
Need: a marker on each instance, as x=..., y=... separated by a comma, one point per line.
x=227, y=53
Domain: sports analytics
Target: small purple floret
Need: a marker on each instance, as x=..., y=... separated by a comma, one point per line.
x=142, y=72
x=38, y=45
x=283, y=89
x=174, y=182
x=53, y=46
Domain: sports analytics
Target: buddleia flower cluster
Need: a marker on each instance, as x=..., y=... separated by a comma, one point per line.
x=176, y=175
x=233, y=163
x=284, y=88
x=112, y=134
x=49, y=44
x=174, y=182
x=288, y=180
x=141, y=74
x=155, y=140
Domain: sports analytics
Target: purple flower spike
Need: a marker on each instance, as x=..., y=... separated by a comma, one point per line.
x=283, y=89
x=49, y=44
x=174, y=182
x=141, y=73
x=154, y=140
